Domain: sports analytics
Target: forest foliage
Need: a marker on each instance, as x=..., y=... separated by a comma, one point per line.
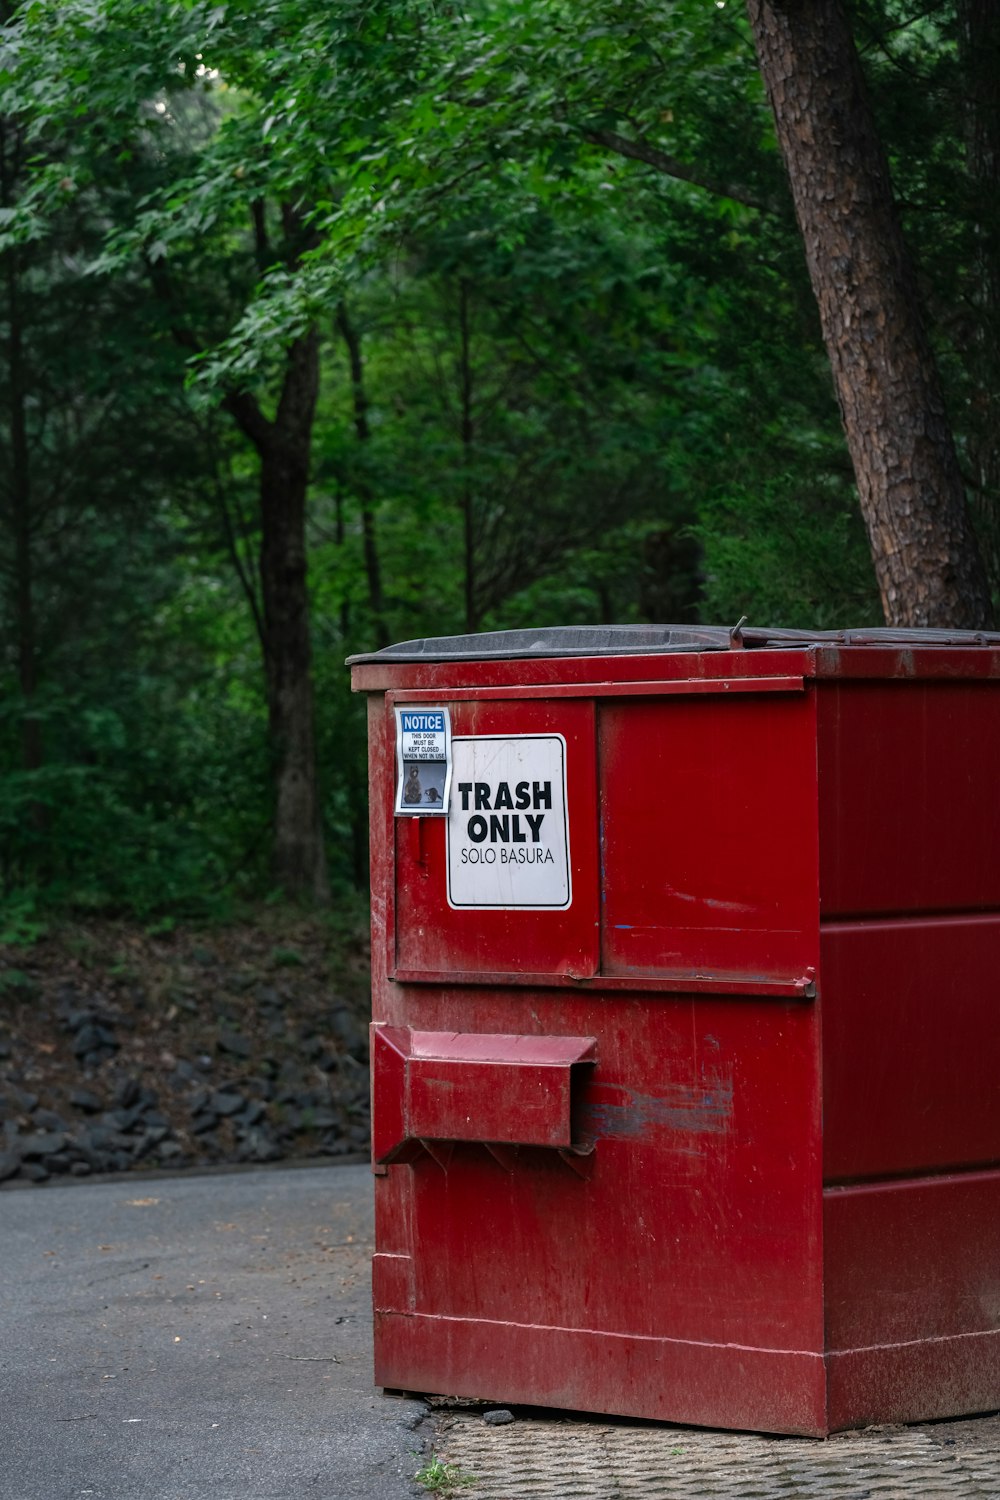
x=518, y=284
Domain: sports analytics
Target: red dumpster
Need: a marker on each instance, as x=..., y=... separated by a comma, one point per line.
x=686, y=1064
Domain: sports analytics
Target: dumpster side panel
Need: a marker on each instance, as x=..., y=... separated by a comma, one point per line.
x=913, y=1298
x=911, y=1045
x=909, y=817
x=910, y=934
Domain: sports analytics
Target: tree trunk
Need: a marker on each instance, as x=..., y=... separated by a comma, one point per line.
x=284, y=447
x=373, y=570
x=468, y=434
x=927, y=560
x=20, y=477
x=299, y=855
x=979, y=38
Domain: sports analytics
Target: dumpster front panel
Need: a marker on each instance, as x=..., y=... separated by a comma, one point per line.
x=508, y=882
x=708, y=836
x=669, y=1261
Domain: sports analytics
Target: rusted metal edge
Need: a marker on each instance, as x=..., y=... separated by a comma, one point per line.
x=802, y=987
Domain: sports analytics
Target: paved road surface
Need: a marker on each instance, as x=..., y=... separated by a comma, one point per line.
x=195, y=1338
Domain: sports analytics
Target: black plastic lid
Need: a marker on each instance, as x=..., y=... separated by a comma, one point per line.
x=650, y=640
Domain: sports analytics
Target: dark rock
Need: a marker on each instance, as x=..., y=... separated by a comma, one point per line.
x=268, y=997
x=148, y=1099
x=43, y=1143
x=23, y=1102
x=126, y=1094
x=325, y=1061
x=202, y=1124
x=84, y=1150
x=86, y=1041
x=260, y=1145
x=80, y=1169
x=203, y=956
x=199, y=1101
x=319, y=1119
x=204, y=1063
x=33, y=1171
x=498, y=1417
x=59, y=1162
x=122, y=1120
x=169, y=1150
x=10, y=1162
x=259, y=1088
x=182, y=1074
x=47, y=1119
x=148, y=1141
x=253, y=1113
x=87, y=1101
x=351, y=1032
x=5, y=1049
x=234, y=1044
x=227, y=1104
x=154, y=1120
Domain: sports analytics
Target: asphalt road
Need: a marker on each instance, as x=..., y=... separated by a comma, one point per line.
x=196, y=1338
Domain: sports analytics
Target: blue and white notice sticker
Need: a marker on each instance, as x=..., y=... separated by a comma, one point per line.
x=423, y=762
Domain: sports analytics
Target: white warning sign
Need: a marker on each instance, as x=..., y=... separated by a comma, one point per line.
x=423, y=761
x=508, y=827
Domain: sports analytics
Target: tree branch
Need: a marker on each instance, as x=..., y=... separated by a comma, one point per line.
x=652, y=156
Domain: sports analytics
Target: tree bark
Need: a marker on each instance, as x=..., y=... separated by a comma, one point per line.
x=468, y=435
x=20, y=488
x=927, y=560
x=979, y=41
x=299, y=855
x=373, y=569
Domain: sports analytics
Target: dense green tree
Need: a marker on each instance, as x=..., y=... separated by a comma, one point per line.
x=332, y=326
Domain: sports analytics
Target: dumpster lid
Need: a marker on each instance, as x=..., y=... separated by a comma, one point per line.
x=642, y=640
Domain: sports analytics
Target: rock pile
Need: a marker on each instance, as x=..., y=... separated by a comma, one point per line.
x=106, y=1079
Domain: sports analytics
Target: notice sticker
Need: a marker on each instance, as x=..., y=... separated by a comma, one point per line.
x=508, y=829
x=423, y=762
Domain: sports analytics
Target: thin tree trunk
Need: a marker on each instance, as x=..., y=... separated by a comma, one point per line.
x=27, y=649
x=979, y=34
x=373, y=570
x=927, y=560
x=299, y=855
x=468, y=441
